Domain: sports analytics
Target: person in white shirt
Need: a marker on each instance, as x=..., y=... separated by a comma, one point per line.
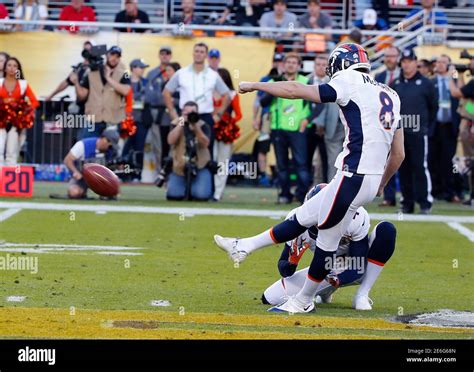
x=196, y=83
x=30, y=10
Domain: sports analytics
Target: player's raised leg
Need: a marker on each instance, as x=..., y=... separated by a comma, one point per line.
x=238, y=249
x=344, y=194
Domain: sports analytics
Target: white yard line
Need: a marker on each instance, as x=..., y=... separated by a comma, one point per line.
x=215, y=211
x=5, y=215
x=463, y=230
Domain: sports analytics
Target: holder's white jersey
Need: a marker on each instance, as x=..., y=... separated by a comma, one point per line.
x=357, y=230
x=370, y=112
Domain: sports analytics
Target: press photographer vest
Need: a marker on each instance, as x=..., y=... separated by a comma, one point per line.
x=179, y=154
x=103, y=101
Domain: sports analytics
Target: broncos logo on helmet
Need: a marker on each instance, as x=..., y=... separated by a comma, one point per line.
x=348, y=56
x=314, y=190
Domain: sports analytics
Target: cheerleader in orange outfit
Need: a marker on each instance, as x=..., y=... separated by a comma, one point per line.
x=226, y=132
x=13, y=89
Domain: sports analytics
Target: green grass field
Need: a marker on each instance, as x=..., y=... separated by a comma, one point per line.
x=95, y=294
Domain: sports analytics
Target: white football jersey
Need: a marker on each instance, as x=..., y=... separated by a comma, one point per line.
x=357, y=230
x=370, y=112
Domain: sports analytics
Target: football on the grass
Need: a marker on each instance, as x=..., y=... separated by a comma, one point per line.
x=101, y=179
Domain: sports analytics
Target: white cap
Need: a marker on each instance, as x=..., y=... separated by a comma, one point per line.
x=369, y=18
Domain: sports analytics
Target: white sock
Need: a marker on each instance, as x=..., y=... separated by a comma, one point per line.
x=258, y=241
x=372, y=273
x=308, y=292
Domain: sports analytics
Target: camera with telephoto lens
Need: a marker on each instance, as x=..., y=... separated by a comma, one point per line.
x=127, y=167
x=193, y=118
x=164, y=172
x=94, y=56
x=461, y=68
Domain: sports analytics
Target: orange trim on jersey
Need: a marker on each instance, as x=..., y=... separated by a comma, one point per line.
x=273, y=236
x=376, y=262
x=314, y=280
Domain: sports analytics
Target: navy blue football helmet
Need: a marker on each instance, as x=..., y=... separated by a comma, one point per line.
x=348, y=56
x=314, y=190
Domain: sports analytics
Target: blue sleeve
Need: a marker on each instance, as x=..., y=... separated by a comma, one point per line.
x=359, y=250
x=285, y=268
x=327, y=93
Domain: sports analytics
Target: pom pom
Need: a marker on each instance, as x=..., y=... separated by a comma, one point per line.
x=226, y=130
x=128, y=127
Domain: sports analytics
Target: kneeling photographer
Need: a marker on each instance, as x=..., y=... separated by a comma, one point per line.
x=465, y=92
x=191, y=177
x=88, y=150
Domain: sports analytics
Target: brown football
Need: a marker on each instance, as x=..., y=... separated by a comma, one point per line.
x=101, y=180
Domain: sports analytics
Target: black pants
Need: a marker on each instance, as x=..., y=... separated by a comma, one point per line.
x=442, y=148
x=210, y=121
x=415, y=179
x=316, y=142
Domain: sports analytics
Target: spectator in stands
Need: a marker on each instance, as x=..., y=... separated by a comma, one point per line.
x=425, y=68
x=131, y=14
x=76, y=11
x=246, y=13
x=157, y=79
x=104, y=91
x=87, y=150
x=459, y=89
x=197, y=83
x=3, y=12
x=198, y=134
x=214, y=59
x=289, y=119
x=427, y=13
x=370, y=21
x=223, y=150
x=3, y=58
x=188, y=17
x=280, y=18
x=326, y=119
x=136, y=143
x=261, y=121
x=355, y=36
x=13, y=88
x=419, y=106
x=388, y=76
x=30, y=10
x=444, y=135
x=316, y=18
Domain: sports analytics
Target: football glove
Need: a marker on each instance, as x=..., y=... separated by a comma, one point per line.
x=297, y=249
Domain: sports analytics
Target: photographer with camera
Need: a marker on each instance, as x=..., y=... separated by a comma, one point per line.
x=189, y=140
x=88, y=150
x=78, y=72
x=465, y=92
x=104, y=88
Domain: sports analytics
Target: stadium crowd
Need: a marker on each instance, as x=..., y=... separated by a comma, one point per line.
x=163, y=102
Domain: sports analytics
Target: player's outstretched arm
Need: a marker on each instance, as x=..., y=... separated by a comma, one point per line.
x=284, y=89
x=395, y=159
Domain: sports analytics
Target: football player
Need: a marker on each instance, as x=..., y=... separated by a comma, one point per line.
x=372, y=152
x=360, y=260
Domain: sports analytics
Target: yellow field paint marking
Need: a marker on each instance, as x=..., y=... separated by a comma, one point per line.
x=58, y=323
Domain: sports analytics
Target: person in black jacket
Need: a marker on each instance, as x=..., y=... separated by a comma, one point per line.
x=444, y=134
x=419, y=106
